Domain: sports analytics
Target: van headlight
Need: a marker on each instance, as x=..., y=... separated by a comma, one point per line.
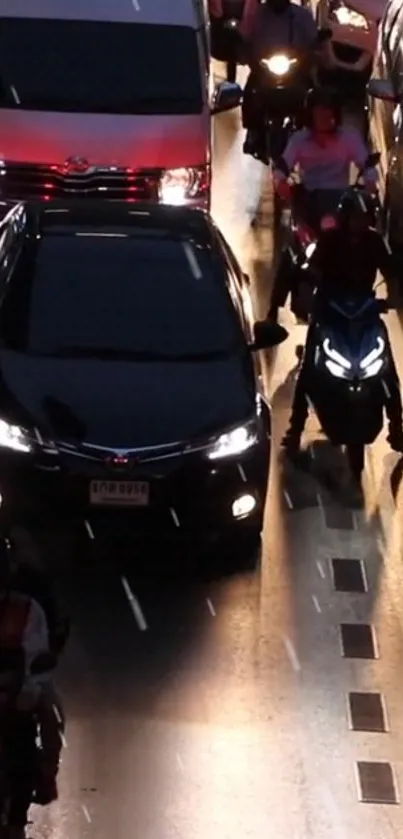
x=14, y=437
x=178, y=186
x=234, y=442
x=347, y=17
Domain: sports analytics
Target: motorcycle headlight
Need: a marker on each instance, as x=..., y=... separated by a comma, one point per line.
x=335, y=362
x=178, y=186
x=372, y=363
x=234, y=442
x=348, y=17
x=279, y=65
x=14, y=437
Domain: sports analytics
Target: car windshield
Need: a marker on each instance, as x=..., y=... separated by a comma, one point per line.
x=108, y=296
x=98, y=67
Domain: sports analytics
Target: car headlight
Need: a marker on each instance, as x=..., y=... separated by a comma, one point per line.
x=177, y=186
x=372, y=363
x=14, y=437
x=348, y=17
x=234, y=442
x=279, y=65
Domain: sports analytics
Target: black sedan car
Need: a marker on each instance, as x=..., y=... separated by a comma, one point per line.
x=128, y=372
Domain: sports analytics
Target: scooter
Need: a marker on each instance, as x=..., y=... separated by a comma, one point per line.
x=346, y=382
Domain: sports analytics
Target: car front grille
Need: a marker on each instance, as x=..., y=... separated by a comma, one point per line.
x=42, y=182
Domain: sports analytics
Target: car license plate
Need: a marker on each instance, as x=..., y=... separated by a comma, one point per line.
x=120, y=493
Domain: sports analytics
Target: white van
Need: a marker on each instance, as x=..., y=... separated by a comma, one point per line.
x=107, y=99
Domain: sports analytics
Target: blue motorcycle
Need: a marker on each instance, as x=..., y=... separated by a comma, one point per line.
x=346, y=383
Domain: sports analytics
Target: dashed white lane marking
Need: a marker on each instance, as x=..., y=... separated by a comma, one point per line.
x=211, y=607
x=63, y=739
x=135, y=606
x=321, y=507
x=86, y=813
x=287, y=497
x=316, y=603
x=320, y=569
x=136, y=5
x=292, y=655
x=89, y=529
x=57, y=714
x=180, y=763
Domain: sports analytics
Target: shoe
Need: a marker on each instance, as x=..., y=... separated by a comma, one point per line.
x=395, y=440
x=46, y=790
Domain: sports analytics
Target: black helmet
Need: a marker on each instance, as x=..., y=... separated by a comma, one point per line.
x=356, y=204
x=322, y=97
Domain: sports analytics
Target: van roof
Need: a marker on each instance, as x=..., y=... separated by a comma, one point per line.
x=166, y=12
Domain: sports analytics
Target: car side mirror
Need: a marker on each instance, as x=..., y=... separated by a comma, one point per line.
x=324, y=35
x=381, y=89
x=266, y=335
x=226, y=97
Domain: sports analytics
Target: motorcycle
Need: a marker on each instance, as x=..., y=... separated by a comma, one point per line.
x=303, y=235
x=282, y=79
x=346, y=381
x=225, y=35
x=20, y=754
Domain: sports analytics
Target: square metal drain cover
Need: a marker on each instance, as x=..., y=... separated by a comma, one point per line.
x=348, y=575
x=357, y=640
x=376, y=783
x=367, y=712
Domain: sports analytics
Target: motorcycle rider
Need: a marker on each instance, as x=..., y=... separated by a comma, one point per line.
x=345, y=263
x=323, y=151
x=22, y=578
x=274, y=25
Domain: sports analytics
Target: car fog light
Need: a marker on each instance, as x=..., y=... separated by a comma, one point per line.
x=243, y=506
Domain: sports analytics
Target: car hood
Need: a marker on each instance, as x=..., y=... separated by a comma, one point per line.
x=372, y=9
x=123, y=405
x=127, y=141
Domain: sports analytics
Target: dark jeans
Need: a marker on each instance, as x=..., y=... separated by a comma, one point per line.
x=300, y=406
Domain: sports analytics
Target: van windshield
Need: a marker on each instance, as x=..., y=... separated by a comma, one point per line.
x=99, y=67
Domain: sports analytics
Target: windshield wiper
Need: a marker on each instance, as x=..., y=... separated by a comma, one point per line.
x=107, y=353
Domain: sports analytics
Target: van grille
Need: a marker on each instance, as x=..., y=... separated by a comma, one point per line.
x=44, y=183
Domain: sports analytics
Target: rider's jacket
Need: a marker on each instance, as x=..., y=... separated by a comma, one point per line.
x=347, y=267
x=324, y=167
x=24, y=632
x=267, y=31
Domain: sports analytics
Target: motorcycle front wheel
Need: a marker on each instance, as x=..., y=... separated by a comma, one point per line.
x=356, y=458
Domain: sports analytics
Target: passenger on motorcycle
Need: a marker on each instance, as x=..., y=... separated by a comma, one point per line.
x=275, y=26
x=344, y=264
x=26, y=596
x=323, y=151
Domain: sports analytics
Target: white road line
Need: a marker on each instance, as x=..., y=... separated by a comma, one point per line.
x=86, y=813
x=57, y=714
x=321, y=507
x=211, y=607
x=316, y=603
x=180, y=763
x=292, y=655
x=288, y=499
x=320, y=569
x=89, y=529
x=63, y=739
x=136, y=5
x=135, y=606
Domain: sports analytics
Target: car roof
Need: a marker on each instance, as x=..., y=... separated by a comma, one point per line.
x=166, y=12
x=70, y=217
